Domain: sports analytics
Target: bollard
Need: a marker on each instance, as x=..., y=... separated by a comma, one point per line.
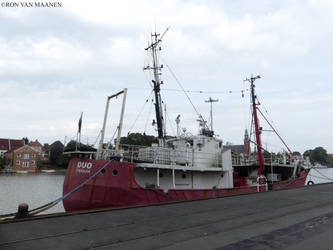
x=22, y=211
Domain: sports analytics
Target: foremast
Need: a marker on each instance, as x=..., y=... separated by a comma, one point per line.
x=156, y=39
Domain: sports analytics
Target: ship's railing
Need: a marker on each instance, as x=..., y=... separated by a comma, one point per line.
x=240, y=160
x=166, y=156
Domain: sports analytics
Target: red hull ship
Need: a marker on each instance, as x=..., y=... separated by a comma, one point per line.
x=117, y=187
x=176, y=169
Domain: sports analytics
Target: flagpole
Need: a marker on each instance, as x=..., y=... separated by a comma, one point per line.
x=78, y=134
x=80, y=129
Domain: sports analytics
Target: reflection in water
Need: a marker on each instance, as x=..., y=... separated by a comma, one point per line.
x=33, y=189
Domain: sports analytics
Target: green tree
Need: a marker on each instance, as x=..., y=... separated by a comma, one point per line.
x=296, y=153
x=2, y=162
x=71, y=146
x=138, y=139
x=26, y=140
x=307, y=153
x=319, y=155
x=266, y=154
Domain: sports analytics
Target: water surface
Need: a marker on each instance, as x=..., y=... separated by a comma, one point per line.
x=33, y=189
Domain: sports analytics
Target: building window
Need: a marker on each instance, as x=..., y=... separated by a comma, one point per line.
x=33, y=155
x=32, y=162
x=17, y=162
x=26, y=156
x=18, y=155
x=25, y=164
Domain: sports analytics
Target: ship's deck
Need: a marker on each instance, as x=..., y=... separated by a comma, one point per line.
x=300, y=218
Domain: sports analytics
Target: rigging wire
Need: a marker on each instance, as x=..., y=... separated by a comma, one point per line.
x=265, y=109
x=97, y=138
x=208, y=92
x=188, y=97
x=136, y=119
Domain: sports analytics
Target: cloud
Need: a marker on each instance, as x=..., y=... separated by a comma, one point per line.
x=56, y=63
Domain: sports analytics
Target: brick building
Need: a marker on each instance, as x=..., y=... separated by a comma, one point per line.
x=25, y=158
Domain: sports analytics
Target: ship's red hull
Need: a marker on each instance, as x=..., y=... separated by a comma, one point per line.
x=116, y=187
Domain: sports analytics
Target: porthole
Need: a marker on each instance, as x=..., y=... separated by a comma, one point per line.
x=184, y=176
x=115, y=172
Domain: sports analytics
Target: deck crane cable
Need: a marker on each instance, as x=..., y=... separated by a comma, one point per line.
x=139, y=114
x=55, y=202
x=149, y=112
x=186, y=94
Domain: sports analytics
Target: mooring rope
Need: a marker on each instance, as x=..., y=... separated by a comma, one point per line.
x=47, y=206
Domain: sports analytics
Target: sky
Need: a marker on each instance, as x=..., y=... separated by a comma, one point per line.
x=56, y=62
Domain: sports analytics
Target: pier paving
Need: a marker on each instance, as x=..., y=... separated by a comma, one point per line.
x=299, y=218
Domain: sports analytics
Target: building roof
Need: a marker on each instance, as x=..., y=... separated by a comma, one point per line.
x=35, y=144
x=330, y=155
x=33, y=149
x=10, y=144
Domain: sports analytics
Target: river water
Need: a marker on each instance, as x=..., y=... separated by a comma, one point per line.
x=33, y=189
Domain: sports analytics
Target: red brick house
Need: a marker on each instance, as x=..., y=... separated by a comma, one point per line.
x=25, y=158
x=43, y=156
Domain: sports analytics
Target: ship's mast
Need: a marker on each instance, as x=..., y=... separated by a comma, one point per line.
x=210, y=100
x=256, y=122
x=153, y=47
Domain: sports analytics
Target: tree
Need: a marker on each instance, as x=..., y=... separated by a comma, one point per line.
x=307, y=153
x=138, y=139
x=266, y=154
x=2, y=162
x=296, y=153
x=319, y=155
x=330, y=161
x=73, y=145
x=26, y=140
x=56, y=149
